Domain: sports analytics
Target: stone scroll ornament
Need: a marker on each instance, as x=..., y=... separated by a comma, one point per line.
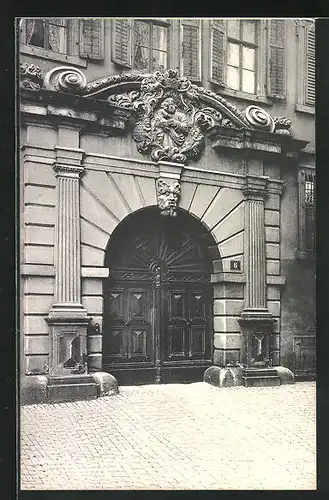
x=168, y=192
x=169, y=115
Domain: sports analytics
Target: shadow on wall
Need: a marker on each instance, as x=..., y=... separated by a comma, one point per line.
x=298, y=309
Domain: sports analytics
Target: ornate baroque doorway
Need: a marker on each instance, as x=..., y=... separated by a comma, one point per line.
x=158, y=299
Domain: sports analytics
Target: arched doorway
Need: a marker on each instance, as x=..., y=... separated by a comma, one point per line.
x=158, y=299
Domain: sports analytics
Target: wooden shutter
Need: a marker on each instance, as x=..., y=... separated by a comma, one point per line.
x=218, y=51
x=276, y=58
x=310, y=66
x=121, y=42
x=191, y=44
x=92, y=39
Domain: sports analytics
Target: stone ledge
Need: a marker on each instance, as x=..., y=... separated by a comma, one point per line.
x=228, y=277
x=94, y=272
x=275, y=280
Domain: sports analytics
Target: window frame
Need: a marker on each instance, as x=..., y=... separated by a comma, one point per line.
x=242, y=43
x=151, y=22
x=72, y=55
x=46, y=22
x=260, y=62
x=301, y=70
x=303, y=251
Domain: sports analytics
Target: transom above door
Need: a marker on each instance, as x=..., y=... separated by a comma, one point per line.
x=157, y=300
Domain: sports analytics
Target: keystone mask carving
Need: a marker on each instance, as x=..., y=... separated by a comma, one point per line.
x=168, y=192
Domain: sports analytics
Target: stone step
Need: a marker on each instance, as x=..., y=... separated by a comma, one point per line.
x=67, y=392
x=71, y=380
x=260, y=381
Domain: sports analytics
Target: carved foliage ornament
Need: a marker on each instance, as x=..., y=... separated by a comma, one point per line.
x=168, y=192
x=31, y=76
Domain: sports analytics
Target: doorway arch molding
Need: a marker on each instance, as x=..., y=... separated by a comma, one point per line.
x=106, y=199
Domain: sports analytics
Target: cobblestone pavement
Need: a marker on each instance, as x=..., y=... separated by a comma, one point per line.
x=177, y=436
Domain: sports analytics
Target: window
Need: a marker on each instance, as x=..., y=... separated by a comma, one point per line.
x=140, y=44
x=48, y=34
x=305, y=31
x=241, y=55
x=248, y=57
x=307, y=212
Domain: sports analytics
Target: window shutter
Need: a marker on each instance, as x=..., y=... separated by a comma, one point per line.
x=92, y=39
x=218, y=51
x=310, y=66
x=121, y=42
x=191, y=44
x=276, y=55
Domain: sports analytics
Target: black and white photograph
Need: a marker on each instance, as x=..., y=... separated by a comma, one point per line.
x=167, y=250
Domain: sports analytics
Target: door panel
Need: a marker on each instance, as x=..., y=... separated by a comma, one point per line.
x=129, y=333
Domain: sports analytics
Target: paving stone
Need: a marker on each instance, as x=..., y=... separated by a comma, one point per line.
x=172, y=437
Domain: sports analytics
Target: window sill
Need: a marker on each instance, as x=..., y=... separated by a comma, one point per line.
x=243, y=95
x=52, y=56
x=305, y=109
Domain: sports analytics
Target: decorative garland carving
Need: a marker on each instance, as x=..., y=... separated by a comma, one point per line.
x=31, y=76
x=65, y=78
x=168, y=193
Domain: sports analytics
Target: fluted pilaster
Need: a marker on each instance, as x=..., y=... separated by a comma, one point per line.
x=67, y=251
x=255, y=193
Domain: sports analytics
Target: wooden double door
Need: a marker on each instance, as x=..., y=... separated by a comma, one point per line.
x=157, y=305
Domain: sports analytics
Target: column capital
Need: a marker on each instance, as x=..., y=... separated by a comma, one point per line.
x=68, y=170
x=255, y=187
x=68, y=161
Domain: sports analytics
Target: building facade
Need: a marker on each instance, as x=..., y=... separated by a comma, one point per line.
x=167, y=202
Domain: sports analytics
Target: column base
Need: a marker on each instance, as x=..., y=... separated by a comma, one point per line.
x=48, y=389
x=223, y=377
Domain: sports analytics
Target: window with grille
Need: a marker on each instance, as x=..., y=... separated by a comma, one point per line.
x=307, y=226
x=140, y=44
x=241, y=73
x=48, y=34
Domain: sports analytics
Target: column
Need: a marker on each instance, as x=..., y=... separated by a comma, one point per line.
x=68, y=318
x=255, y=296
x=256, y=321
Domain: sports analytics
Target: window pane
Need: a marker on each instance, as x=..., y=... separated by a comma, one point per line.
x=141, y=49
x=159, y=37
x=233, y=54
x=141, y=59
x=233, y=77
x=249, y=31
x=233, y=28
x=35, y=32
x=57, y=38
x=248, y=81
x=142, y=34
x=248, y=58
x=159, y=60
